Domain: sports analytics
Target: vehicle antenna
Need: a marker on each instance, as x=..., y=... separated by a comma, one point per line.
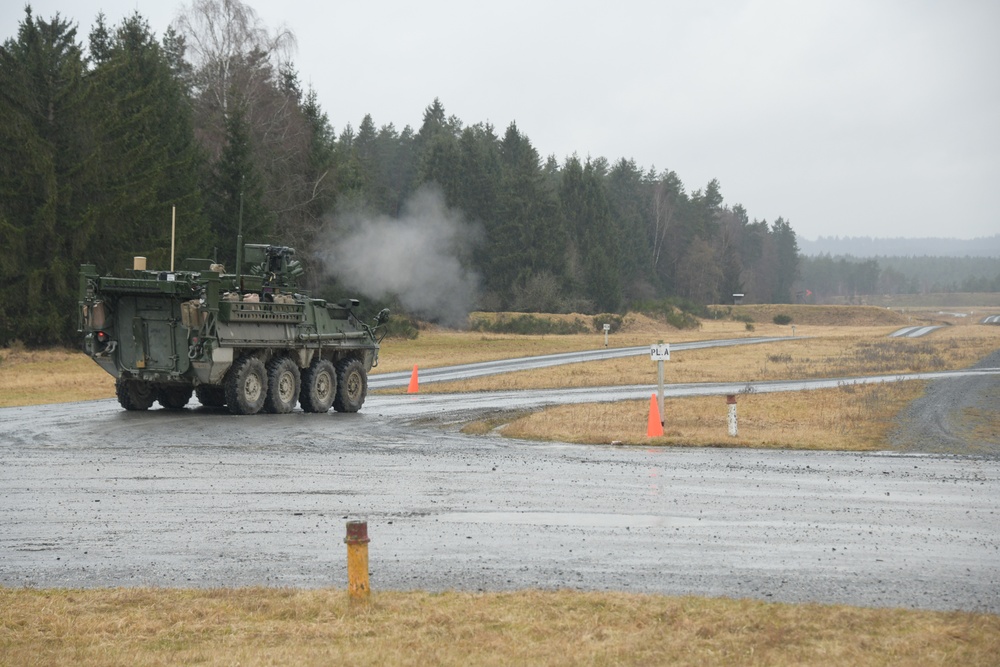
x=239, y=241
x=173, y=235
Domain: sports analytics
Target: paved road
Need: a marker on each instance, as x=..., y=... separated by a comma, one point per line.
x=913, y=332
x=91, y=495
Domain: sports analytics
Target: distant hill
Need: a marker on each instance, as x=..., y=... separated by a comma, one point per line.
x=865, y=246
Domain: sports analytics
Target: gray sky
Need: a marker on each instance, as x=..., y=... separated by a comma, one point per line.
x=846, y=117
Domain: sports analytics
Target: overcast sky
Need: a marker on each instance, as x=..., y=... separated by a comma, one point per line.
x=846, y=117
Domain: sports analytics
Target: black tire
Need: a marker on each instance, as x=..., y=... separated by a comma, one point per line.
x=246, y=386
x=134, y=394
x=210, y=396
x=319, y=386
x=352, y=386
x=173, y=398
x=284, y=383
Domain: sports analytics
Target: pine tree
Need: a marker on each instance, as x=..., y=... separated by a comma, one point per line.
x=527, y=245
x=787, y=261
x=148, y=162
x=627, y=197
x=44, y=143
x=594, y=243
x=397, y=167
x=437, y=151
x=237, y=192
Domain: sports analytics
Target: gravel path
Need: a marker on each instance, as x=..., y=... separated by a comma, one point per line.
x=956, y=416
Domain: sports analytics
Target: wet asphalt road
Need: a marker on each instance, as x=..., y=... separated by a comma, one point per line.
x=91, y=495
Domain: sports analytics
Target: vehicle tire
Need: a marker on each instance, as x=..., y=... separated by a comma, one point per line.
x=319, y=386
x=352, y=386
x=283, y=385
x=210, y=396
x=134, y=394
x=246, y=386
x=173, y=398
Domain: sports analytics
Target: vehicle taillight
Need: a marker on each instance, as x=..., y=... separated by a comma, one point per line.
x=102, y=337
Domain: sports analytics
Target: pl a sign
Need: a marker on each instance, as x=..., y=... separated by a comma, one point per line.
x=659, y=352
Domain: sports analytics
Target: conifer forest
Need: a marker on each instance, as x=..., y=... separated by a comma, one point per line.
x=108, y=129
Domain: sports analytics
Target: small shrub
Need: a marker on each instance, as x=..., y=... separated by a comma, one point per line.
x=743, y=317
x=682, y=320
x=614, y=320
x=749, y=326
x=782, y=319
x=401, y=326
x=722, y=313
x=655, y=307
x=527, y=325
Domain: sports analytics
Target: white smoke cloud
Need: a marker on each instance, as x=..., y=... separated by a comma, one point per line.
x=416, y=258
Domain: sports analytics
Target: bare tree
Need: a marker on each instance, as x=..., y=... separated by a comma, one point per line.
x=240, y=64
x=230, y=49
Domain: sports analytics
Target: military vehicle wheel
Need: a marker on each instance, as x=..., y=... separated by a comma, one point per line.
x=319, y=386
x=246, y=386
x=134, y=394
x=173, y=398
x=352, y=386
x=210, y=396
x=283, y=385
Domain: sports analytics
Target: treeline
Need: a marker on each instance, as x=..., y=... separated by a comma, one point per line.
x=846, y=276
x=865, y=247
x=99, y=142
x=580, y=236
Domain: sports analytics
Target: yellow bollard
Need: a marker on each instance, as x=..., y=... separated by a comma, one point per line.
x=357, y=561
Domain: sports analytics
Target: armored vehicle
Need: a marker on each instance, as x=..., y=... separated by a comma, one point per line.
x=247, y=340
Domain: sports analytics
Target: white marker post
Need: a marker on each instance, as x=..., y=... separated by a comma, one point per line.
x=660, y=353
x=731, y=403
x=607, y=328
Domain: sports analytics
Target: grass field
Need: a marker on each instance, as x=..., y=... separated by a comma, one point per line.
x=139, y=627
x=832, y=342
x=269, y=627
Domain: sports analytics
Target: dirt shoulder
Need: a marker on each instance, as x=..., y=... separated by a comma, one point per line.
x=957, y=416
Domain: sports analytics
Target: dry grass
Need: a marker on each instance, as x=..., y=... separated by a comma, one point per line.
x=439, y=347
x=35, y=377
x=982, y=422
x=818, y=352
x=269, y=627
x=855, y=316
x=850, y=418
x=931, y=303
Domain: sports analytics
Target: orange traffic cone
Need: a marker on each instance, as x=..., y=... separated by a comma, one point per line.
x=414, y=383
x=655, y=427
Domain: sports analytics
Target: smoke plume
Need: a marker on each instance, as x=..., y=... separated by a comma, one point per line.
x=419, y=258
